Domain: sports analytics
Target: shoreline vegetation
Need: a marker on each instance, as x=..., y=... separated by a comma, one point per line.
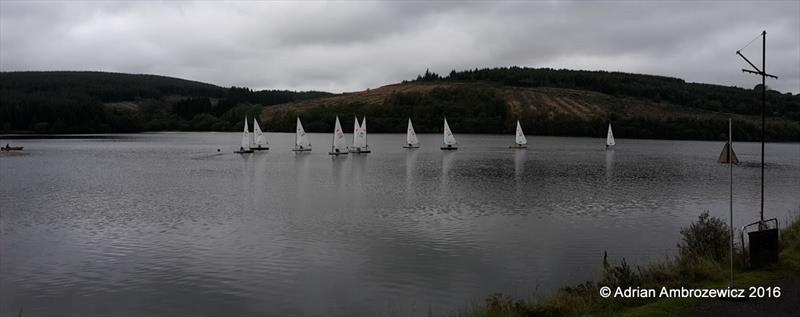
x=548, y=102
x=702, y=262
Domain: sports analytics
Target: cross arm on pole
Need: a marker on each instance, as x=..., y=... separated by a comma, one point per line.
x=759, y=73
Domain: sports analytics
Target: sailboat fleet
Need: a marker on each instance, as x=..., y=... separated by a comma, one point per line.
x=258, y=140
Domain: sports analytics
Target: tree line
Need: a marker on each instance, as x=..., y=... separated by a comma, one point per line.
x=648, y=87
x=99, y=102
x=483, y=109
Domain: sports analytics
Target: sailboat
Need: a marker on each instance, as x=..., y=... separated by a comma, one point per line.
x=360, y=138
x=610, y=138
x=245, y=148
x=260, y=142
x=301, y=143
x=520, y=142
x=449, y=140
x=337, y=146
x=724, y=156
x=728, y=155
x=411, y=137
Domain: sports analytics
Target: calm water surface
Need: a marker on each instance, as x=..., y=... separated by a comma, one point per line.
x=163, y=224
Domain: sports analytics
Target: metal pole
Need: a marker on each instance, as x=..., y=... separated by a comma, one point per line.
x=730, y=172
x=763, y=111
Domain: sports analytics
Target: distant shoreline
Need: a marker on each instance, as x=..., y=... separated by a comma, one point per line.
x=112, y=135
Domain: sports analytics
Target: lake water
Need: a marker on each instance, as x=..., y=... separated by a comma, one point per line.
x=162, y=224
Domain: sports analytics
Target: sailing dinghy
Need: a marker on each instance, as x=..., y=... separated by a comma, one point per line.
x=301, y=143
x=450, y=143
x=360, y=138
x=9, y=148
x=610, y=138
x=337, y=146
x=411, y=137
x=260, y=139
x=520, y=142
x=245, y=148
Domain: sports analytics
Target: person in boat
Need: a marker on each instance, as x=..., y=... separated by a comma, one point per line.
x=449, y=146
x=241, y=149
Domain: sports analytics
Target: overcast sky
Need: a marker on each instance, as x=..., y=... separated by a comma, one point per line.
x=349, y=46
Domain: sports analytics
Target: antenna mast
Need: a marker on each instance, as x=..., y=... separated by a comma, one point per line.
x=764, y=75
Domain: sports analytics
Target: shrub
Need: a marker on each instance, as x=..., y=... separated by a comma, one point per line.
x=708, y=238
x=621, y=275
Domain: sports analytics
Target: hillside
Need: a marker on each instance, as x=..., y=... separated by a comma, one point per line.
x=553, y=102
x=546, y=101
x=107, y=87
x=96, y=102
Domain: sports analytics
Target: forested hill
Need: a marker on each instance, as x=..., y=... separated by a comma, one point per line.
x=95, y=102
x=546, y=101
x=103, y=86
x=555, y=102
x=649, y=87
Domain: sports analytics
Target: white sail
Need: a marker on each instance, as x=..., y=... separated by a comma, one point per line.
x=449, y=139
x=363, y=135
x=360, y=135
x=610, y=137
x=260, y=138
x=411, y=137
x=520, y=138
x=301, y=139
x=338, y=144
x=246, y=136
x=356, y=128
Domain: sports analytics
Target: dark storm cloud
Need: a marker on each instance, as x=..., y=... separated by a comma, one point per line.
x=345, y=46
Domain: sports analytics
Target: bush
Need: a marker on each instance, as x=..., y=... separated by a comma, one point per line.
x=708, y=238
x=621, y=275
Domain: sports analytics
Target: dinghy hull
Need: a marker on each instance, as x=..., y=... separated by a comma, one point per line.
x=410, y=146
x=518, y=146
x=243, y=152
x=301, y=150
x=11, y=148
x=259, y=148
x=449, y=148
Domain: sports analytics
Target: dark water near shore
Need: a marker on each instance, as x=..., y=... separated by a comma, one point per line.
x=163, y=224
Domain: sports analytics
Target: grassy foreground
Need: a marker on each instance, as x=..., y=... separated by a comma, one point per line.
x=699, y=265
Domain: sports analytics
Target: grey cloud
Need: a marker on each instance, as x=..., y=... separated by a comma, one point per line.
x=348, y=46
